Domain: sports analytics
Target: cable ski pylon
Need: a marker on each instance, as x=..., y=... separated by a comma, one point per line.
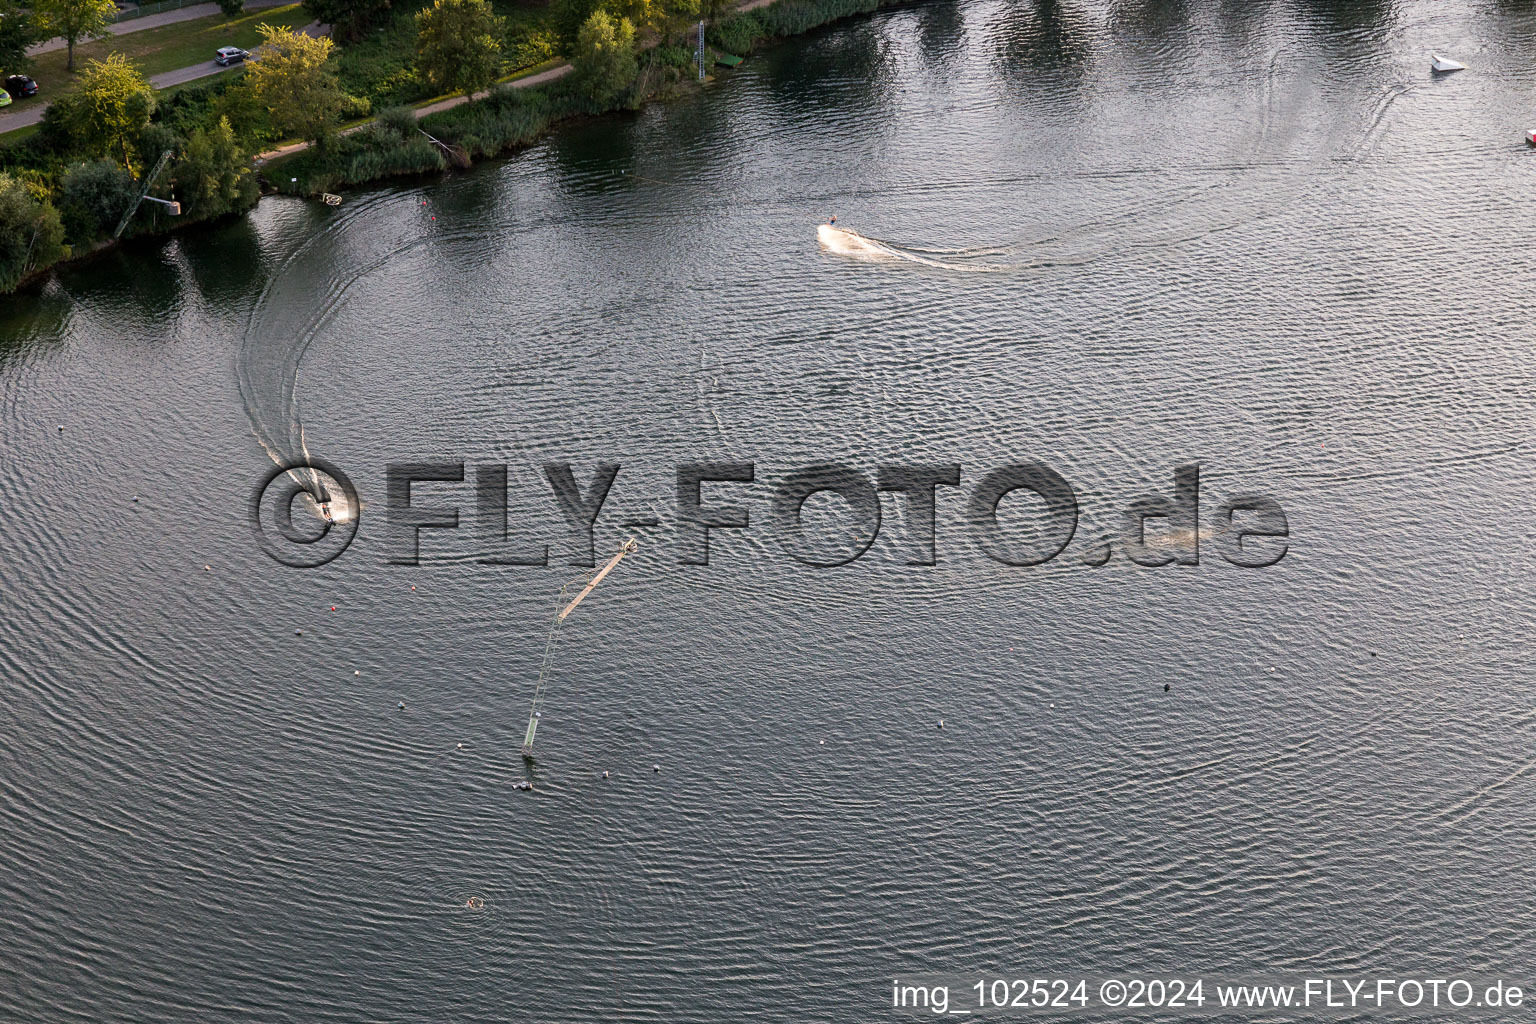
x=561, y=611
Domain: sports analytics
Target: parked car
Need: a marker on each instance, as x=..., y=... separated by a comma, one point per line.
x=228, y=55
x=5, y=98
x=20, y=86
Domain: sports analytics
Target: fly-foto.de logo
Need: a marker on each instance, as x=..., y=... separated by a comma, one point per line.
x=1021, y=514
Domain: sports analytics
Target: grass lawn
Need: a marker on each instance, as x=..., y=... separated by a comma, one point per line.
x=166, y=48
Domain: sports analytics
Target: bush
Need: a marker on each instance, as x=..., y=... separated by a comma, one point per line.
x=155, y=139
x=569, y=16
x=213, y=177
x=231, y=7
x=736, y=35
x=527, y=46
x=93, y=197
x=31, y=235
x=605, y=56
x=681, y=57
x=508, y=117
x=375, y=151
x=400, y=120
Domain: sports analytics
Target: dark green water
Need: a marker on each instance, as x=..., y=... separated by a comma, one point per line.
x=1258, y=237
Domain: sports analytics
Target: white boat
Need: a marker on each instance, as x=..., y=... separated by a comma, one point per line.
x=1441, y=64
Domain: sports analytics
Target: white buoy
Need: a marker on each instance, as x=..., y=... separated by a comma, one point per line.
x=1530, y=138
x=1441, y=65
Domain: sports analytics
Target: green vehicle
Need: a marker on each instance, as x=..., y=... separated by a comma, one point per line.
x=5, y=98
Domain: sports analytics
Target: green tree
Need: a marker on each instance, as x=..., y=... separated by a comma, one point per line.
x=105, y=111
x=674, y=17
x=31, y=236
x=74, y=20
x=663, y=17
x=605, y=55
x=293, y=82
x=569, y=16
x=18, y=31
x=642, y=14
x=213, y=177
x=348, y=19
x=93, y=197
x=458, y=45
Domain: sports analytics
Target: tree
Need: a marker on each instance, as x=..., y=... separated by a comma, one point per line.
x=642, y=14
x=348, y=19
x=605, y=55
x=294, y=84
x=663, y=17
x=105, y=112
x=231, y=7
x=18, y=31
x=31, y=236
x=74, y=20
x=569, y=16
x=212, y=177
x=458, y=45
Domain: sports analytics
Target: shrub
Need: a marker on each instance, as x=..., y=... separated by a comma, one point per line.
x=31, y=235
x=527, y=46
x=155, y=139
x=675, y=56
x=400, y=120
x=736, y=35
x=93, y=197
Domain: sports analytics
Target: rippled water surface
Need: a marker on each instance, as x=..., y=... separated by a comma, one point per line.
x=1114, y=238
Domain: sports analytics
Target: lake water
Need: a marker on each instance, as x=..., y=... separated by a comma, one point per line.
x=1113, y=239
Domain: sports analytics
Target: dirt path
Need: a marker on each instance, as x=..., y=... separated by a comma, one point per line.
x=431, y=108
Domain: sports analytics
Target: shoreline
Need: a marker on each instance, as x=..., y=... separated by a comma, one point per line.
x=536, y=83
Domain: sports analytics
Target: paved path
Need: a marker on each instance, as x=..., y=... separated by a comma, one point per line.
x=192, y=13
x=32, y=115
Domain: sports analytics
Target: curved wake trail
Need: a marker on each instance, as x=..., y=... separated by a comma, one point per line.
x=969, y=260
